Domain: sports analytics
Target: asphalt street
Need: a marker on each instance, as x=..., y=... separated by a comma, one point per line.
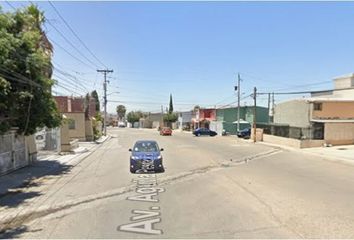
x=213, y=187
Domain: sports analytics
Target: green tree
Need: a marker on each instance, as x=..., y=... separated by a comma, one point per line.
x=121, y=110
x=133, y=117
x=170, y=109
x=87, y=105
x=25, y=73
x=170, y=117
x=95, y=96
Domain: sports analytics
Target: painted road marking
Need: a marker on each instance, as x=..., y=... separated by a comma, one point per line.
x=144, y=220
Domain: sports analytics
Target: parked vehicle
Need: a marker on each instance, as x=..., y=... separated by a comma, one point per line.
x=204, y=132
x=121, y=124
x=245, y=133
x=166, y=131
x=146, y=157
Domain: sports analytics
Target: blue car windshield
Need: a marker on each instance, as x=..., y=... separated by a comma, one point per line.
x=146, y=147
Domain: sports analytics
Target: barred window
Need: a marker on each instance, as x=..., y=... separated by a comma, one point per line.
x=317, y=106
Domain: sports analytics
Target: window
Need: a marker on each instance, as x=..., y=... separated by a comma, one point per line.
x=317, y=106
x=71, y=123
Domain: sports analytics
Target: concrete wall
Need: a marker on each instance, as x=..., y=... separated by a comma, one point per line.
x=295, y=113
x=145, y=123
x=339, y=133
x=216, y=126
x=79, y=131
x=290, y=142
x=154, y=117
x=344, y=82
x=259, y=134
x=341, y=110
x=89, y=130
x=16, y=151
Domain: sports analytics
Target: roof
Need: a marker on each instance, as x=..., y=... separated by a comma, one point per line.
x=330, y=99
x=333, y=120
x=349, y=75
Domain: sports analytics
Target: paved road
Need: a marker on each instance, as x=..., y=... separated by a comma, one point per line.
x=216, y=187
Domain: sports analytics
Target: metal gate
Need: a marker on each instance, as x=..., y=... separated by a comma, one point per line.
x=48, y=139
x=12, y=152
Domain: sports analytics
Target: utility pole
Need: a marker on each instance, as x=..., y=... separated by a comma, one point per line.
x=105, y=71
x=238, y=102
x=161, y=121
x=273, y=107
x=254, y=114
x=268, y=108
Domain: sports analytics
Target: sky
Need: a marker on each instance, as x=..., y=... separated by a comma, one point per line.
x=195, y=50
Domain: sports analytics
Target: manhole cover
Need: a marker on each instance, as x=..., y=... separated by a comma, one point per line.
x=342, y=148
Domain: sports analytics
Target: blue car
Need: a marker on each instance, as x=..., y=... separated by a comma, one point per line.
x=204, y=132
x=245, y=133
x=146, y=157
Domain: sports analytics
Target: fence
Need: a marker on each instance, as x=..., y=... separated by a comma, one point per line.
x=315, y=132
x=13, y=153
x=48, y=139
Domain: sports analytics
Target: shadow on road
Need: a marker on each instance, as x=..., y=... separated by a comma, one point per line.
x=13, y=233
x=15, y=188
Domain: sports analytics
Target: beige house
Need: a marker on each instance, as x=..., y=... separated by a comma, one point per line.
x=327, y=117
x=78, y=120
x=337, y=116
x=76, y=125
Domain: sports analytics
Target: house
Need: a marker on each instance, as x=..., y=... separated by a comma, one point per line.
x=74, y=111
x=78, y=116
x=184, y=121
x=327, y=115
x=226, y=118
x=203, y=117
x=330, y=119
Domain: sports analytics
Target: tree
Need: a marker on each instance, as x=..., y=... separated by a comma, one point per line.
x=25, y=73
x=170, y=117
x=87, y=106
x=133, y=117
x=95, y=96
x=121, y=111
x=170, y=109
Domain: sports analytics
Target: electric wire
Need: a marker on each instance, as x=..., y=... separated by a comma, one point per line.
x=74, y=33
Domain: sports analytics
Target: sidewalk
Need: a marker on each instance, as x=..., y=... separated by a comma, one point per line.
x=344, y=153
x=48, y=163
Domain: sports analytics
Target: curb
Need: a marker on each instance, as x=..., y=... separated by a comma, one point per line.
x=323, y=157
x=100, y=140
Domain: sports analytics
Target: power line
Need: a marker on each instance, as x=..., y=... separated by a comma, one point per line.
x=73, y=79
x=68, y=89
x=305, y=85
x=20, y=78
x=8, y=3
x=76, y=49
x=70, y=53
x=73, y=32
x=72, y=45
x=71, y=84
